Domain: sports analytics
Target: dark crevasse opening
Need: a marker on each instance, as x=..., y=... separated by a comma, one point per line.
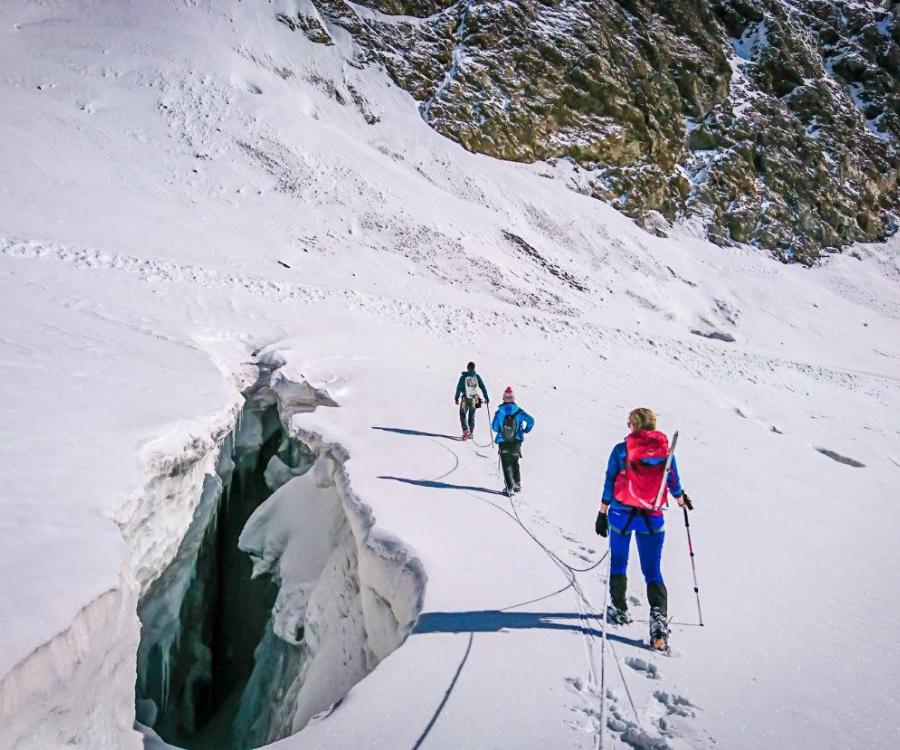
x=205, y=615
x=241, y=604
x=230, y=662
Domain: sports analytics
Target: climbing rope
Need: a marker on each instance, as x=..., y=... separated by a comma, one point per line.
x=582, y=603
x=570, y=572
x=546, y=549
x=455, y=460
x=490, y=430
x=603, y=661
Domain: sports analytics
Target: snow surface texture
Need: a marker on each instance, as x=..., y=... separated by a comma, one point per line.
x=188, y=189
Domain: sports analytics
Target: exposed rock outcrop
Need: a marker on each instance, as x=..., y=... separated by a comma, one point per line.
x=776, y=122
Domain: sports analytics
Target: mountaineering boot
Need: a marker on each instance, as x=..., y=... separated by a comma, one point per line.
x=658, y=598
x=616, y=616
x=517, y=487
x=618, y=585
x=617, y=612
x=466, y=435
x=659, y=630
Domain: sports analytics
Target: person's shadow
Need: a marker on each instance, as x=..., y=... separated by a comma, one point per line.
x=436, y=485
x=419, y=433
x=496, y=620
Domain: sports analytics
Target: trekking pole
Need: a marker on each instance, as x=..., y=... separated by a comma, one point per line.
x=687, y=526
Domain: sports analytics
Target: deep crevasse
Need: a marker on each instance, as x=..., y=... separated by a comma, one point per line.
x=347, y=594
x=359, y=592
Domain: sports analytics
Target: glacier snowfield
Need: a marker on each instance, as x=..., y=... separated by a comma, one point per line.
x=189, y=214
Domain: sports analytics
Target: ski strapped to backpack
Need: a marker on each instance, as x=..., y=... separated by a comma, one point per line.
x=510, y=427
x=665, y=477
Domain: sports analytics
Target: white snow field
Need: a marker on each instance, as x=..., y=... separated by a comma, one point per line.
x=189, y=190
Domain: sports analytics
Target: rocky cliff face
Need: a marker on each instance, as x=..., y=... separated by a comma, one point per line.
x=776, y=122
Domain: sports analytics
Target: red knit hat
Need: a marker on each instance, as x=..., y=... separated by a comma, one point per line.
x=508, y=397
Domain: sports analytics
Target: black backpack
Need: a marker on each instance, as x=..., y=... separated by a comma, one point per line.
x=509, y=428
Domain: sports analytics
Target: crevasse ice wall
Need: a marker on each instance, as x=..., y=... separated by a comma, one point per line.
x=348, y=593
x=78, y=688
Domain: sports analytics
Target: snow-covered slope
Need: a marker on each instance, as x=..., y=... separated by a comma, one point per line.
x=189, y=189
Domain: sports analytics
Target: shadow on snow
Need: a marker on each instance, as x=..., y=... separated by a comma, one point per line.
x=435, y=485
x=495, y=621
x=419, y=433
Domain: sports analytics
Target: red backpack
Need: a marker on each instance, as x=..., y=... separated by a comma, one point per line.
x=638, y=483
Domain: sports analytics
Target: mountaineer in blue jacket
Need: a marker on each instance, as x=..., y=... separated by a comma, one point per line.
x=511, y=423
x=470, y=391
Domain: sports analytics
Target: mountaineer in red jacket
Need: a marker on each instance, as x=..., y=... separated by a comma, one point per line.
x=633, y=478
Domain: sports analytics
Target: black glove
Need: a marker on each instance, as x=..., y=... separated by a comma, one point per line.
x=601, y=525
x=687, y=501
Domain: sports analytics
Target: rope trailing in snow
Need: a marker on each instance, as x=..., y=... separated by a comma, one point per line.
x=601, y=619
x=455, y=460
x=581, y=602
x=603, y=659
x=550, y=552
x=544, y=547
x=447, y=695
x=490, y=431
x=634, y=710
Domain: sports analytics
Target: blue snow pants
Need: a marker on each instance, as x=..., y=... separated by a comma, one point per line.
x=650, y=534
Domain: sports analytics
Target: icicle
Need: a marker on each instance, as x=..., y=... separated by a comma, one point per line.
x=166, y=667
x=223, y=506
x=167, y=646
